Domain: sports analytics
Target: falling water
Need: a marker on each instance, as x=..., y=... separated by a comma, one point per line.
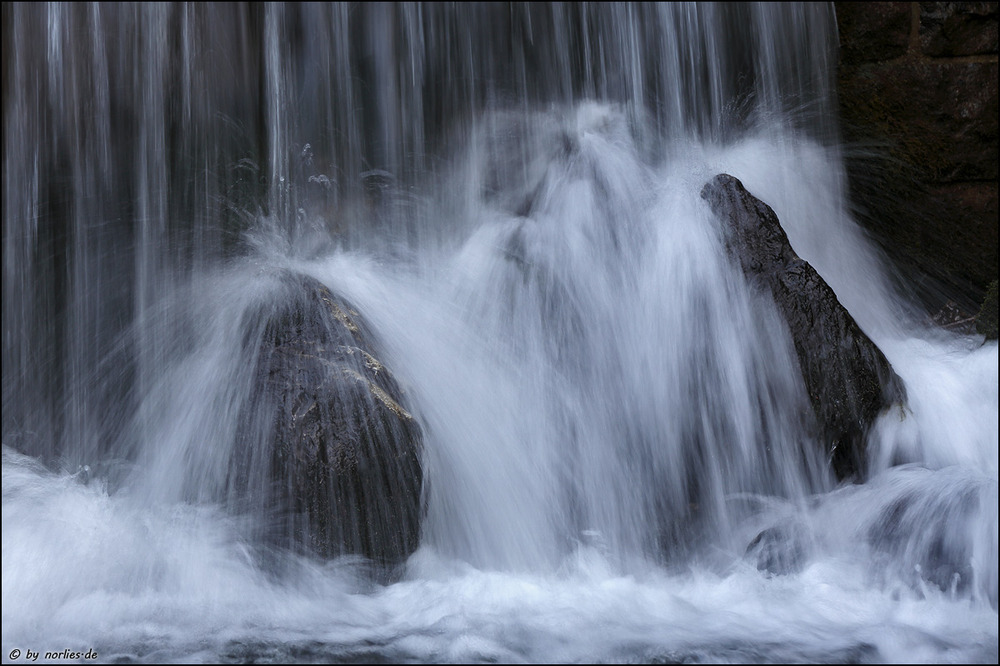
x=510, y=195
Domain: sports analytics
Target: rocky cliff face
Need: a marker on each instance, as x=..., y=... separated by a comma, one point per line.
x=918, y=101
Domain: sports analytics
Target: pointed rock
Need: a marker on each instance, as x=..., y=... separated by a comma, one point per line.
x=849, y=380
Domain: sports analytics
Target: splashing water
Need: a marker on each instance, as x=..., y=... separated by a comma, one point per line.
x=616, y=463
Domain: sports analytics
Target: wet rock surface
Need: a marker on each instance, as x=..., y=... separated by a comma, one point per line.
x=779, y=550
x=848, y=379
x=924, y=539
x=327, y=433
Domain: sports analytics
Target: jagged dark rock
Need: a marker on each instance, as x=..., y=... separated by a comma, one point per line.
x=326, y=440
x=849, y=380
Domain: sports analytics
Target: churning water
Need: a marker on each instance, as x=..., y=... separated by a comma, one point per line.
x=510, y=195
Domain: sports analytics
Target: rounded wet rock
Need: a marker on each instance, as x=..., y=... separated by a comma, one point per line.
x=327, y=444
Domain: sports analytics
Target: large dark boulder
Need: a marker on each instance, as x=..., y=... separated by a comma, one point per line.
x=327, y=446
x=849, y=380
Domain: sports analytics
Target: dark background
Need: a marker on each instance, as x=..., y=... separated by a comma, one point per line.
x=917, y=85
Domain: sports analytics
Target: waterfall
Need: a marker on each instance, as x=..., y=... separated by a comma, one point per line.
x=617, y=457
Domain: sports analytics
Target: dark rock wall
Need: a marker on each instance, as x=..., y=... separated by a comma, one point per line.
x=918, y=101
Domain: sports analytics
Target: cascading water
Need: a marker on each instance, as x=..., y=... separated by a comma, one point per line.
x=509, y=193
